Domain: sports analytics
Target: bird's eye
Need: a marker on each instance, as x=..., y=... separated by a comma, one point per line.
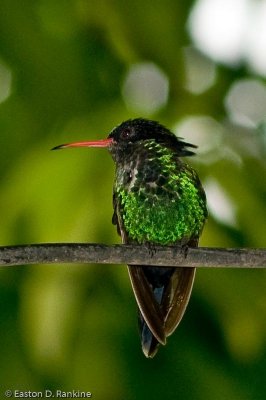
x=126, y=133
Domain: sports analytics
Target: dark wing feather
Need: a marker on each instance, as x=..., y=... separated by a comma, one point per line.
x=177, y=294
x=176, y=297
x=148, y=306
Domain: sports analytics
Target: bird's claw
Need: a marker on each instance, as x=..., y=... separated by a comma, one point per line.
x=151, y=249
x=184, y=250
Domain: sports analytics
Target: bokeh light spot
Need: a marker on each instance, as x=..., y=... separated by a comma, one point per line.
x=145, y=88
x=204, y=132
x=217, y=28
x=256, y=49
x=231, y=31
x=220, y=205
x=200, y=71
x=5, y=81
x=246, y=102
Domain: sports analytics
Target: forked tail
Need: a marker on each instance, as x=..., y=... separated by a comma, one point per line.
x=162, y=295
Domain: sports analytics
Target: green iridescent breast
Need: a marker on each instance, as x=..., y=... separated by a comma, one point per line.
x=159, y=198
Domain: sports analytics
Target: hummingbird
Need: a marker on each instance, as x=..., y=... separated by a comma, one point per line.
x=158, y=199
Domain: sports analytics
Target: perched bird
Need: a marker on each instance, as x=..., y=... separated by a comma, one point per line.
x=157, y=199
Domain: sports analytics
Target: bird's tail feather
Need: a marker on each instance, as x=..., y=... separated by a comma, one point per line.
x=160, y=308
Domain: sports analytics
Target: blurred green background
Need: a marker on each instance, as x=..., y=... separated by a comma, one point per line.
x=72, y=70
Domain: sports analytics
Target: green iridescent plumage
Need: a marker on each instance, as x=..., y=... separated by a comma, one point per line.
x=163, y=202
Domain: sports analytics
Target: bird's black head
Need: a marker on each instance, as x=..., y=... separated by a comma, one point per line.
x=136, y=131
x=140, y=130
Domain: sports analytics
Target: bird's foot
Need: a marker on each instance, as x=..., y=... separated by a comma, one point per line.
x=184, y=250
x=151, y=248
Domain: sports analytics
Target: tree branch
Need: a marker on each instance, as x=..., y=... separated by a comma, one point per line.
x=163, y=256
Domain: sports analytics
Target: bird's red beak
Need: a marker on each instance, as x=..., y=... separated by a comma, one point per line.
x=96, y=143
